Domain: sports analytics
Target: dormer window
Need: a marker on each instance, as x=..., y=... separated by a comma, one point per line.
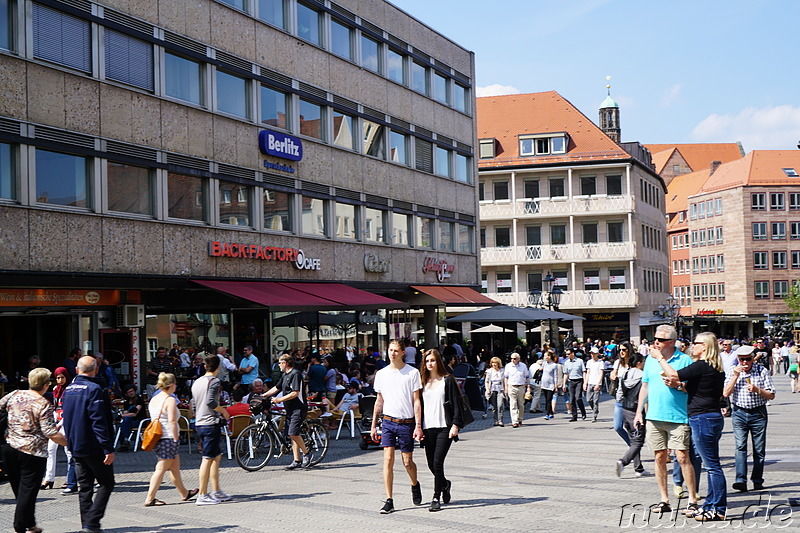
x=543, y=144
x=487, y=148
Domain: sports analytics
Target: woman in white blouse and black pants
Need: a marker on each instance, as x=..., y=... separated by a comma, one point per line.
x=441, y=421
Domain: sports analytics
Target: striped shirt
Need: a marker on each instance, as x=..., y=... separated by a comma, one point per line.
x=758, y=376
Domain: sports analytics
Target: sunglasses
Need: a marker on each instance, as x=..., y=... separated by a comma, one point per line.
x=745, y=359
x=659, y=339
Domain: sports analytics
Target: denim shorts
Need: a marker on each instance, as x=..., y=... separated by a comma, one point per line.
x=209, y=436
x=394, y=435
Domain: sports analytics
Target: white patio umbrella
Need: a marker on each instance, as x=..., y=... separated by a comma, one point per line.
x=447, y=331
x=538, y=329
x=491, y=328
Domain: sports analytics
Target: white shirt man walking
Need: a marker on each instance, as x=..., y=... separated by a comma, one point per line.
x=398, y=387
x=516, y=382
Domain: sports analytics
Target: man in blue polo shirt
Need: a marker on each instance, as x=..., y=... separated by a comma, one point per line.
x=667, y=424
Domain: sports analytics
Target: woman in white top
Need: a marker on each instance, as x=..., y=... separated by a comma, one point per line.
x=494, y=389
x=441, y=421
x=164, y=407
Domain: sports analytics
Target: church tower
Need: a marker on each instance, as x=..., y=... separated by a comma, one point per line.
x=609, y=117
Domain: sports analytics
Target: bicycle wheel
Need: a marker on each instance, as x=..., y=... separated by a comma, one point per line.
x=315, y=436
x=253, y=448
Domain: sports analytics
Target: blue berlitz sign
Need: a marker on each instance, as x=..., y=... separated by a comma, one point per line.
x=280, y=145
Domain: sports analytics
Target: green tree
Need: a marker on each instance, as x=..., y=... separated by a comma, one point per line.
x=793, y=300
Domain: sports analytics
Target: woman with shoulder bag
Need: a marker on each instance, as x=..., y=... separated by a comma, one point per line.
x=625, y=351
x=442, y=418
x=494, y=389
x=164, y=408
x=630, y=381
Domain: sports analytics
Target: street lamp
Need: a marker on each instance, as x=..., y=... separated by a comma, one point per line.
x=549, y=298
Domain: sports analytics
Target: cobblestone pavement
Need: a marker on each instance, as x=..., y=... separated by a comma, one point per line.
x=544, y=476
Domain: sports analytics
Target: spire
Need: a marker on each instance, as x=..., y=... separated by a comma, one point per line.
x=609, y=115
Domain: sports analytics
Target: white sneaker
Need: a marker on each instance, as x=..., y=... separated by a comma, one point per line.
x=221, y=496
x=206, y=499
x=618, y=466
x=643, y=473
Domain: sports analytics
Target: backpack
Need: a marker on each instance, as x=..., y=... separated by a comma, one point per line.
x=630, y=395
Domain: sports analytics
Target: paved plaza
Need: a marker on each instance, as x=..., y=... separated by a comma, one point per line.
x=545, y=476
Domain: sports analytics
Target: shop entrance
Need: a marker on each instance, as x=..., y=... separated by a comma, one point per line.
x=49, y=336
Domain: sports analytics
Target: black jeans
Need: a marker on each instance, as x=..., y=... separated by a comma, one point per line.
x=637, y=440
x=25, y=473
x=437, y=444
x=576, y=397
x=548, y=401
x=93, y=507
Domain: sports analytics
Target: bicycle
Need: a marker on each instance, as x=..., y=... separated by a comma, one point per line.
x=263, y=440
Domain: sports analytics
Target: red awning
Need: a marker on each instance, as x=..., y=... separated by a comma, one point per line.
x=454, y=295
x=286, y=295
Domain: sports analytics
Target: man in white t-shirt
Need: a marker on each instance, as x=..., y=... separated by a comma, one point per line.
x=398, y=387
x=411, y=354
x=594, y=381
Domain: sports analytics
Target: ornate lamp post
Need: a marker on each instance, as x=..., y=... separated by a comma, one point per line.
x=549, y=299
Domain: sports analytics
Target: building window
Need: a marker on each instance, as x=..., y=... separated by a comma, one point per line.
x=238, y=4
x=341, y=40
x=616, y=279
x=344, y=224
x=446, y=236
x=460, y=97
x=187, y=197
x=692, y=211
x=482, y=237
x=539, y=145
x=274, y=108
x=703, y=264
x=61, y=38
x=129, y=60
x=794, y=200
x=273, y=12
x=308, y=24
x=701, y=210
x=721, y=291
x=712, y=263
x=314, y=216
x=762, y=289
x=465, y=239
x=588, y=185
x=718, y=206
x=419, y=78
x=760, y=261
x=615, y=232
x=778, y=260
x=395, y=68
x=486, y=148
x=675, y=270
x=533, y=235
x=312, y=119
x=702, y=237
x=440, y=88
x=463, y=169
x=8, y=182
x=776, y=201
x=695, y=265
x=590, y=233
x=400, y=229
x=758, y=201
x=343, y=131
x=130, y=188
x=500, y=190
x=424, y=155
x=719, y=235
x=591, y=280
x=277, y=210
x=558, y=234
x=720, y=263
x=398, y=151
x=442, y=162
x=534, y=281
x=63, y=179
x=795, y=259
x=183, y=78
x=374, y=230
x=424, y=232
x=704, y=291
x=614, y=185
x=759, y=231
x=481, y=191
x=778, y=230
x=484, y=282
x=6, y=24
x=780, y=289
x=556, y=187
x=504, y=282
x=502, y=237
x=530, y=189
x=370, y=54
x=232, y=94
x=712, y=291
x=710, y=208
x=234, y=204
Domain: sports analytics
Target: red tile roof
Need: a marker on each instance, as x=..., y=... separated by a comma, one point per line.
x=759, y=168
x=698, y=156
x=504, y=118
x=682, y=187
x=660, y=158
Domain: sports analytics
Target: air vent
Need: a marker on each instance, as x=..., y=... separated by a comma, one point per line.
x=372, y=27
x=423, y=132
x=274, y=76
x=239, y=172
x=129, y=22
x=447, y=214
x=401, y=123
x=461, y=77
x=281, y=181
x=189, y=44
x=444, y=140
x=186, y=161
x=425, y=210
x=399, y=204
x=347, y=194
x=421, y=54
x=443, y=66
x=83, y=5
x=313, y=3
x=344, y=102
x=465, y=147
x=316, y=91
x=466, y=218
x=59, y=136
x=234, y=61
x=140, y=152
x=10, y=126
x=400, y=43
x=379, y=200
x=374, y=113
x=318, y=188
x=339, y=10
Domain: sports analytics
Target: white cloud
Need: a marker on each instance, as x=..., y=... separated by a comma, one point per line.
x=768, y=128
x=670, y=95
x=495, y=89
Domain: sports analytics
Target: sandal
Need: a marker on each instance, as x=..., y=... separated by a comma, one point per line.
x=693, y=509
x=708, y=516
x=191, y=494
x=155, y=503
x=661, y=507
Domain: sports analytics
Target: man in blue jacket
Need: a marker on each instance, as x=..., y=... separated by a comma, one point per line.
x=89, y=429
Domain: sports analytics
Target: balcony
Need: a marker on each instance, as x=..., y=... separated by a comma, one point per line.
x=550, y=207
x=572, y=300
x=557, y=253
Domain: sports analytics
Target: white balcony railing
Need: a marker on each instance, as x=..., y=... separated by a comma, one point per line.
x=548, y=207
x=557, y=253
x=607, y=299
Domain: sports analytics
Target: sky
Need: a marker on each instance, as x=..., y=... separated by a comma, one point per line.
x=682, y=71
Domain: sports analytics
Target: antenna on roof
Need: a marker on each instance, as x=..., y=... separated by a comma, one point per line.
x=608, y=85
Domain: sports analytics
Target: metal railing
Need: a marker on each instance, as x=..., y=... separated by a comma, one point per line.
x=524, y=208
x=604, y=299
x=550, y=253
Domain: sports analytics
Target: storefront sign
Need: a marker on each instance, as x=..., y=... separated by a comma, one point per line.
x=442, y=269
x=373, y=263
x=503, y=283
x=607, y=317
x=280, y=145
x=266, y=253
x=368, y=318
x=57, y=297
x=707, y=312
x=135, y=355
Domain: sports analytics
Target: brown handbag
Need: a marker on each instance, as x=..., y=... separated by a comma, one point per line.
x=152, y=433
